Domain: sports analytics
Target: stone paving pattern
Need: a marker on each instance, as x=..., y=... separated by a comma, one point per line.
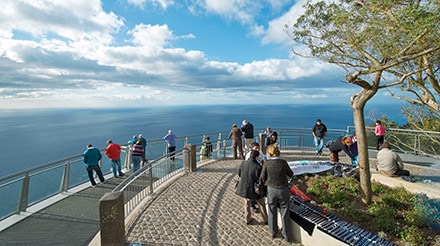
x=196, y=209
x=201, y=208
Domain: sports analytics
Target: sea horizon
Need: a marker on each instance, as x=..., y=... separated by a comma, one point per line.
x=35, y=137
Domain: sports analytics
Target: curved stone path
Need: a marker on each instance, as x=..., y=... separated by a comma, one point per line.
x=200, y=208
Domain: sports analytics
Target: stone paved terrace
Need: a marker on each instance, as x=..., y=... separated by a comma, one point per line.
x=195, y=209
x=201, y=209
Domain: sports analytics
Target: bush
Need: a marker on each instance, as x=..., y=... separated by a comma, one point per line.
x=394, y=211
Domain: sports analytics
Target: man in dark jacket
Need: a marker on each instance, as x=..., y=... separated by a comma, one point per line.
x=319, y=130
x=342, y=143
x=249, y=174
x=248, y=130
x=91, y=158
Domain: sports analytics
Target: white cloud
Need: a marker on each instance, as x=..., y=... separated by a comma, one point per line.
x=70, y=54
x=142, y=3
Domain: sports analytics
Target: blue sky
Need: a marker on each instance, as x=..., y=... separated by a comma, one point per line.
x=136, y=53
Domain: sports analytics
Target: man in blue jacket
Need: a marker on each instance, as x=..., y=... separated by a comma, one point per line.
x=91, y=158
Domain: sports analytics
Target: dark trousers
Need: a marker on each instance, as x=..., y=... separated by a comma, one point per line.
x=379, y=141
x=171, y=151
x=237, y=145
x=98, y=172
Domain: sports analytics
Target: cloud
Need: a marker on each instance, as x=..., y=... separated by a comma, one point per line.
x=76, y=54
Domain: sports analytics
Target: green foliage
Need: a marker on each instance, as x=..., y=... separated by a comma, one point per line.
x=394, y=211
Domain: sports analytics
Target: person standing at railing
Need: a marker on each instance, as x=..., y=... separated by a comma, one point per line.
x=137, y=151
x=248, y=130
x=91, y=158
x=113, y=151
x=379, y=130
x=205, y=149
x=170, y=139
x=272, y=138
x=133, y=140
x=144, y=144
x=319, y=130
x=237, y=143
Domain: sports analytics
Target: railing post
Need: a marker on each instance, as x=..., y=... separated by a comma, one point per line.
x=224, y=148
x=66, y=177
x=189, y=158
x=219, y=144
x=24, y=194
x=111, y=219
x=150, y=174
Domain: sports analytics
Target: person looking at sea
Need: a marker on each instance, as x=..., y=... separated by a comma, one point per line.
x=137, y=150
x=248, y=130
x=237, y=143
x=379, y=130
x=170, y=139
x=91, y=158
x=144, y=144
x=113, y=152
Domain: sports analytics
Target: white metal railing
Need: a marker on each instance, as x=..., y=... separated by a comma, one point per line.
x=31, y=186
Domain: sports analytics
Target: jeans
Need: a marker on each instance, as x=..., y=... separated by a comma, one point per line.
x=319, y=144
x=136, y=159
x=116, y=164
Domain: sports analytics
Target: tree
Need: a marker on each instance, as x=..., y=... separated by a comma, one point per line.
x=380, y=44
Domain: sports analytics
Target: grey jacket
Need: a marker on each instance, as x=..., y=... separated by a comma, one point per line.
x=388, y=161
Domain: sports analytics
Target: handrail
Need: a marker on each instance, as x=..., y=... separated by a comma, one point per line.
x=59, y=176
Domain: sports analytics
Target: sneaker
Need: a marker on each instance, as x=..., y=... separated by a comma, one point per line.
x=121, y=174
x=93, y=185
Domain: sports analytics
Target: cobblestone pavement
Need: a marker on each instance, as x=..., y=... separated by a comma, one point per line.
x=200, y=208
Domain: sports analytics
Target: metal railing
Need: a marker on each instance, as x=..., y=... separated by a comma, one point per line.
x=34, y=185
x=416, y=142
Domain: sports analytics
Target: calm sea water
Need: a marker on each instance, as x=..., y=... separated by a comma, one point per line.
x=31, y=138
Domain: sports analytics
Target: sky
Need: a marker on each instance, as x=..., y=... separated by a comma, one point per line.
x=138, y=53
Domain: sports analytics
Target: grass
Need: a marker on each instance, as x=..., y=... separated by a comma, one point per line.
x=395, y=214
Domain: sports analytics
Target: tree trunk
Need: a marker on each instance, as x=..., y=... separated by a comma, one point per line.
x=364, y=164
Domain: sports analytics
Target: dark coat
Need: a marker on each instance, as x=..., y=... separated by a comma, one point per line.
x=248, y=130
x=249, y=173
x=339, y=145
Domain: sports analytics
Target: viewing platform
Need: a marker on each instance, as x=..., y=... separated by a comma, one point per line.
x=192, y=208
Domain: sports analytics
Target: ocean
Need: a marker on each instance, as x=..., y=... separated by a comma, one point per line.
x=30, y=138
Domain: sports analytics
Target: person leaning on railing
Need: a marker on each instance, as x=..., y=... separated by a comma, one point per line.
x=91, y=158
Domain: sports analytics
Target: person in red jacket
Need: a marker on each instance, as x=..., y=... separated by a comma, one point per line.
x=113, y=151
x=379, y=130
